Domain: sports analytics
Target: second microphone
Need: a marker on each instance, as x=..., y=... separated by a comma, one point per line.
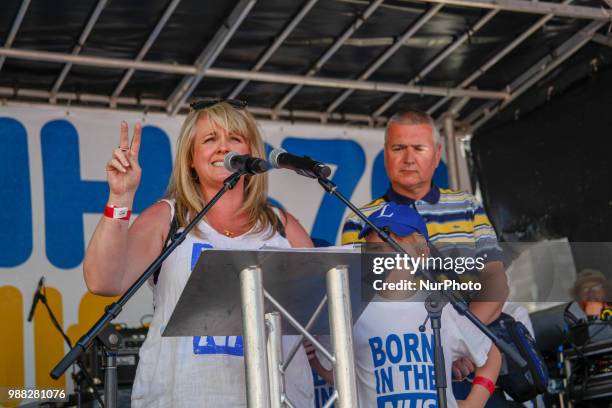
x=303, y=165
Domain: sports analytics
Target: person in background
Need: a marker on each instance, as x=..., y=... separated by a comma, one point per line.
x=591, y=290
x=412, y=151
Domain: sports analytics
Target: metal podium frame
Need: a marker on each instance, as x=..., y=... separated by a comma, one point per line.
x=268, y=390
x=262, y=334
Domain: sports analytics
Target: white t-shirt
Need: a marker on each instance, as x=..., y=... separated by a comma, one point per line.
x=520, y=314
x=394, y=361
x=204, y=371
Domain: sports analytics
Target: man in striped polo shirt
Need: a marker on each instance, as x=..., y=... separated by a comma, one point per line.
x=454, y=218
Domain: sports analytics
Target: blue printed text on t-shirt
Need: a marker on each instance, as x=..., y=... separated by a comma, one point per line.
x=230, y=345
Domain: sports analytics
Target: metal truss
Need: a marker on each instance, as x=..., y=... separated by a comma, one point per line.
x=299, y=80
x=209, y=55
x=491, y=62
x=102, y=62
x=79, y=46
x=145, y=48
x=15, y=27
x=438, y=60
x=533, y=7
x=138, y=104
x=330, y=51
x=277, y=43
x=387, y=54
x=538, y=71
x=204, y=65
x=602, y=39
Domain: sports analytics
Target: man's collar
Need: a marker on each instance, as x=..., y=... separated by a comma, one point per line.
x=432, y=197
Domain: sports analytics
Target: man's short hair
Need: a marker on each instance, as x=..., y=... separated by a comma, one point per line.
x=414, y=117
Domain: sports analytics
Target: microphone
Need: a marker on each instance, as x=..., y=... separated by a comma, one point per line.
x=304, y=165
x=235, y=162
x=37, y=297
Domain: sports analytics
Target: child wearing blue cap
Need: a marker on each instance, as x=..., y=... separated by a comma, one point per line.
x=394, y=361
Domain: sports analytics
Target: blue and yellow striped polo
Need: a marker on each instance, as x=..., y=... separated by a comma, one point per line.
x=455, y=219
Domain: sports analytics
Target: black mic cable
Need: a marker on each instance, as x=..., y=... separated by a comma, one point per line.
x=304, y=165
x=244, y=163
x=37, y=296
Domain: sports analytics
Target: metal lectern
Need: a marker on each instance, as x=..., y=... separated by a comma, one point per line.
x=246, y=293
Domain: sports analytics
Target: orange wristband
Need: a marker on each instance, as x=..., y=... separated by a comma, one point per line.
x=485, y=382
x=117, y=213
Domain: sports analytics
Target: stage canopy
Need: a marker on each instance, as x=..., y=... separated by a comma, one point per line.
x=346, y=61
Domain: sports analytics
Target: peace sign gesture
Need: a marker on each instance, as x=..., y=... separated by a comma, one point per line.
x=123, y=169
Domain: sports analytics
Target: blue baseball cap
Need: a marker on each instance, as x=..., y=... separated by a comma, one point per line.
x=400, y=219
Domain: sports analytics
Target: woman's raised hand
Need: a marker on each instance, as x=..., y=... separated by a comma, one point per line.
x=123, y=169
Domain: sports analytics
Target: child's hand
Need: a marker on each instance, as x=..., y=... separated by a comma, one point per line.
x=310, y=350
x=462, y=368
x=327, y=375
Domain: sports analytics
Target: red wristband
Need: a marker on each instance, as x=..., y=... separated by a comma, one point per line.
x=485, y=382
x=117, y=213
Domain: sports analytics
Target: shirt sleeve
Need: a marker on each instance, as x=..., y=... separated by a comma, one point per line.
x=466, y=340
x=353, y=224
x=350, y=230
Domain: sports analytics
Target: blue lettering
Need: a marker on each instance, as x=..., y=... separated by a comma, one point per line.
x=349, y=158
x=155, y=158
x=420, y=376
x=378, y=355
x=16, y=214
x=394, y=343
x=380, y=181
x=386, y=379
x=68, y=197
x=196, y=251
x=411, y=342
x=231, y=345
x=408, y=400
x=272, y=201
x=268, y=148
x=406, y=369
x=427, y=347
x=432, y=376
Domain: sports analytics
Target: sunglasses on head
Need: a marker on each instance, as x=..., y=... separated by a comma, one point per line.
x=593, y=288
x=209, y=102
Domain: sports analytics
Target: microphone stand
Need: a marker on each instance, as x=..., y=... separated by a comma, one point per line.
x=83, y=372
x=433, y=304
x=113, y=310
